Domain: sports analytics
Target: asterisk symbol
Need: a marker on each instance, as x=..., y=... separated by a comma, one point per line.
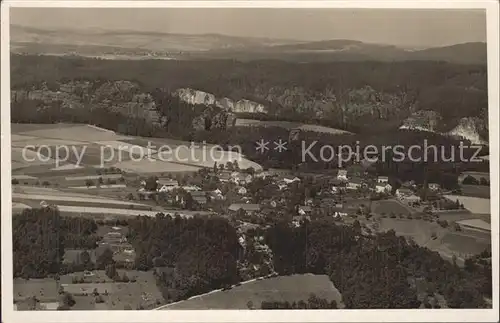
x=262, y=146
x=280, y=145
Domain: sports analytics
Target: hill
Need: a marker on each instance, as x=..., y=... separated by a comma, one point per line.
x=134, y=44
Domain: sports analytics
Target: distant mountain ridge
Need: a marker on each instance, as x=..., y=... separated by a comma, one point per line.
x=96, y=42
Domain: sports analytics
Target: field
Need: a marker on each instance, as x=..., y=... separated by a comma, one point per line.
x=43, y=289
x=447, y=242
x=143, y=293
x=284, y=288
x=475, y=205
x=390, y=206
x=55, y=198
x=288, y=125
x=476, y=191
x=125, y=152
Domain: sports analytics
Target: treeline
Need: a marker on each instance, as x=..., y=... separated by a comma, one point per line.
x=312, y=303
x=375, y=272
x=40, y=237
x=452, y=90
x=198, y=254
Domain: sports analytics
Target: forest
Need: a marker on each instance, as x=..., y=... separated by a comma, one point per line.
x=40, y=237
x=363, y=96
x=375, y=272
x=201, y=253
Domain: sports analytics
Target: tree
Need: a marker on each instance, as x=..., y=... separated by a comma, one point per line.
x=483, y=181
x=89, y=182
x=68, y=300
x=470, y=180
x=85, y=258
x=105, y=259
x=15, y=181
x=111, y=271
x=151, y=184
x=250, y=305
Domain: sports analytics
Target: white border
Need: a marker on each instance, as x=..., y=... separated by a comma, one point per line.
x=444, y=315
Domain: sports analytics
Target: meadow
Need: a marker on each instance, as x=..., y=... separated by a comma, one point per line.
x=292, y=288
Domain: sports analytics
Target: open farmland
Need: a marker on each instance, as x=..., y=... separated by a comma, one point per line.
x=142, y=293
x=128, y=153
x=288, y=125
x=283, y=288
x=64, y=131
x=475, y=205
x=125, y=212
x=155, y=166
x=70, y=198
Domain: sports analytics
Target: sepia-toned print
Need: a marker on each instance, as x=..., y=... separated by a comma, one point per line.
x=251, y=159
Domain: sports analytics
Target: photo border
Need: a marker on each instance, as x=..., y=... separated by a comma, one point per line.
x=391, y=315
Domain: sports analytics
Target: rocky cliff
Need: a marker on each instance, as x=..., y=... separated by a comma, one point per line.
x=119, y=96
x=423, y=120
x=193, y=96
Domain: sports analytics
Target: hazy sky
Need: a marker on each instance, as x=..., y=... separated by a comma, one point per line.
x=422, y=28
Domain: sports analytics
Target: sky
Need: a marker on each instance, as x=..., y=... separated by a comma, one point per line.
x=401, y=27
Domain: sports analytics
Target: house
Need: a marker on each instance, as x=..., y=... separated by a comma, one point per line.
x=217, y=194
x=408, y=184
x=354, y=183
x=199, y=196
x=304, y=209
x=403, y=191
x=381, y=188
x=166, y=184
x=247, y=207
x=242, y=190
x=382, y=179
x=342, y=175
x=242, y=178
x=434, y=186
x=410, y=199
x=191, y=188
x=224, y=177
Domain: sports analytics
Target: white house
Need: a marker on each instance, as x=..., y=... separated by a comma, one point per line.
x=354, y=183
x=242, y=191
x=387, y=188
x=166, y=185
x=342, y=175
x=382, y=179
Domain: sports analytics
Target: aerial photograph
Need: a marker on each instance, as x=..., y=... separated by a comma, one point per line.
x=249, y=159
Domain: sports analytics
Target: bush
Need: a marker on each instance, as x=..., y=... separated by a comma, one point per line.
x=15, y=181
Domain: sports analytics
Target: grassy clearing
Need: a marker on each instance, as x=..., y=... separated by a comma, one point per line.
x=284, y=288
x=288, y=125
